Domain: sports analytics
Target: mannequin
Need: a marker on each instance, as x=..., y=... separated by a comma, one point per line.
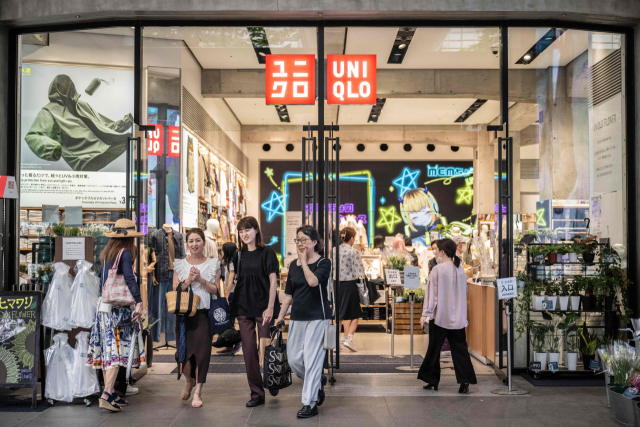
x=165, y=245
x=361, y=234
x=211, y=245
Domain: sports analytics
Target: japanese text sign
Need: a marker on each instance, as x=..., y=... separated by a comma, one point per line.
x=290, y=79
x=351, y=79
x=174, y=141
x=411, y=277
x=507, y=288
x=393, y=277
x=8, y=187
x=155, y=141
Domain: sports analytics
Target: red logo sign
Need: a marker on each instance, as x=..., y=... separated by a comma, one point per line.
x=155, y=141
x=351, y=79
x=291, y=79
x=174, y=141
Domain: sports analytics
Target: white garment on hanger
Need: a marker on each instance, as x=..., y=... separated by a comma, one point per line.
x=361, y=234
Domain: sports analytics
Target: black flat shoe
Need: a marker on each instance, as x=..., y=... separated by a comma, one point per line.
x=431, y=386
x=308, y=411
x=321, y=394
x=464, y=389
x=256, y=401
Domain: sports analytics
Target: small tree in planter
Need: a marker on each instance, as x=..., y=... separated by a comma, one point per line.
x=569, y=329
x=553, y=339
x=575, y=289
x=538, y=341
x=564, y=289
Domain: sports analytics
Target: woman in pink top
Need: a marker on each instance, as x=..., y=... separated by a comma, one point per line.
x=446, y=306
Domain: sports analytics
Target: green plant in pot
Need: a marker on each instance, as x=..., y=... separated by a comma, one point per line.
x=588, y=247
x=398, y=261
x=538, y=338
x=553, y=339
x=623, y=364
x=569, y=328
x=587, y=300
x=589, y=342
x=538, y=253
x=564, y=289
x=551, y=292
x=614, y=284
x=523, y=304
x=575, y=287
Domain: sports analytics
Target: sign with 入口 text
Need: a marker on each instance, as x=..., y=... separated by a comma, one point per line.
x=507, y=288
x=393, y=277
x=154, y=137
x=351, y=79
x=290, y=79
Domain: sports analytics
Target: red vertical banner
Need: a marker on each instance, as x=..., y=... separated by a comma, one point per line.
x=154, y=138
x=290, y=79
x=351, y=79
x=174, y=141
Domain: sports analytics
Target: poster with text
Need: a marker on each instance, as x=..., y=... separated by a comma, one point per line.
x=189, y=180
x=605, y=136
x=75, y=127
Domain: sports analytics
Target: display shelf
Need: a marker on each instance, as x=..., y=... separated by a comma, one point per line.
x=572, y=311
x=29, y=235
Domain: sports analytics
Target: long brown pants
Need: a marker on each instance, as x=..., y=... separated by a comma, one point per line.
x=250, y=351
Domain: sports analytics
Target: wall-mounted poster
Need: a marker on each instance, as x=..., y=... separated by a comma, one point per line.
x=189, y=180
x=76, y=124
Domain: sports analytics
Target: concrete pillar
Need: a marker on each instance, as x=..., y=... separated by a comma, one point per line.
x=483, y=177
x=564, y=139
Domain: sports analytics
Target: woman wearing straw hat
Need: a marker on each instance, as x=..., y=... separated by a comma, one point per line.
x=109, y=346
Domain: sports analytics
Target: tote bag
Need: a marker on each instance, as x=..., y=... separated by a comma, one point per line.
x=115, y=290
x=277, y=372
x=218, y=315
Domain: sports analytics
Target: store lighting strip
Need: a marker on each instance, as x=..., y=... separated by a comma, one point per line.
x=283, y=113
x=260, y=43
x=376, y=110
x=469, y=111
x=361, y=176
x=401, y=45
x=541, y=45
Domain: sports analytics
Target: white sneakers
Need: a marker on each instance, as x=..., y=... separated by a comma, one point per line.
x=131, y=390
x=349, y=343
x=342, y=340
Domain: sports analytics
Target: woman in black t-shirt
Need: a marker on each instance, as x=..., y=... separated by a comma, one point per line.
x=255, y=301
x=306, y=289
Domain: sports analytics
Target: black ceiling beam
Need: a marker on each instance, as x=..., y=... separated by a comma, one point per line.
x=260, y=43
x=401, y=45
x=469, y=111
x=540, y=46
x=283, y=113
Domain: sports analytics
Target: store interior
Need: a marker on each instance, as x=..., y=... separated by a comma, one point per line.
x=219, y=152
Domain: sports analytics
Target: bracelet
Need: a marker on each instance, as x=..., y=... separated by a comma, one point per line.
x=303, y=265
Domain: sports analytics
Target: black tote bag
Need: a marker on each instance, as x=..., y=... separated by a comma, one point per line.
x=277, y=372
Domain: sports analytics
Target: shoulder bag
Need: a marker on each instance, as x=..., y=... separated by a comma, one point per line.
x=115, y=290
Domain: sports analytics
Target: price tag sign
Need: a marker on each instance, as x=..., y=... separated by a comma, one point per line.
x=411, y=277
x=553, y=366
x=547, y=305
x=507, y=288
x=596, y=365
x=535, y=366
x=393, y=277
x=539, y=258
x=630, y=392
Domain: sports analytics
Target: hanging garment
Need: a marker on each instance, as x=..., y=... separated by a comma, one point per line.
x=191, y=179
x=55, y=309
x=210, y=245
x=84, y=295
x=70, y=128
x=361, y=234
x=223, y=189
x=202, y=176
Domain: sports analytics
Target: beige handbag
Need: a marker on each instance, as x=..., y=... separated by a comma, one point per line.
x=115, y=291
x=182, y=303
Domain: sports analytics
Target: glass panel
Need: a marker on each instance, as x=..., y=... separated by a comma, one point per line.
x=567, y=120
x=75, y=123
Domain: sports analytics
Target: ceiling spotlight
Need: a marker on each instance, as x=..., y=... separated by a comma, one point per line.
x=402, y=46
x=431, y=147
x=527, y=57
x=256, y=38
x=374, y=115
x=261, y=54
x=360, y=147
x=384, y=147
x=266, y=147
x=454, y=148
x=78, y=16
x=289, y=147
x=407, y=147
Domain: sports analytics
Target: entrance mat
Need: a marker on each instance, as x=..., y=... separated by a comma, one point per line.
x=566, y=381
x=344, y=358
x=12, y=403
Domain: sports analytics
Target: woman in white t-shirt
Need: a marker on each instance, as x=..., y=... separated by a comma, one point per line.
x=203, y=275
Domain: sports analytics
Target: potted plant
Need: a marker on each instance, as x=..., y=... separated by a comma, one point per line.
x=538, y=253
x=553, y=340
x=569, y=329
x=546, y=234
x=552, y=253
x=614, y=284
x=588, y=247
x=588, y=344
x=551, y=291
x=562, y=250
x=574, y=251
x=398, y=261
x=564, y=289
x=622, y=364
x=538, y=341
x=575, y=289
x=538, y=297
x=587, y=300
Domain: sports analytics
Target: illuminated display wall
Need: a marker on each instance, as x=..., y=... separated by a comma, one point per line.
x=389, y=197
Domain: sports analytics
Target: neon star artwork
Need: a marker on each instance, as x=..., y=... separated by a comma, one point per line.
x=407, y=181
x=274, y=205
x=388, y=218
x=465, y=195
x=269, y=173
x=540, y=218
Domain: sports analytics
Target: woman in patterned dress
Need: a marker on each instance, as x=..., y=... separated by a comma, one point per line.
x=109, y=347
x=351, y=269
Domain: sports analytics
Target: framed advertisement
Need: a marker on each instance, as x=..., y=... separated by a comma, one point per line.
x=373, y=266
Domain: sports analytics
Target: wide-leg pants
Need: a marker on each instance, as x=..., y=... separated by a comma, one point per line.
x=305, y=354
x=430, y=369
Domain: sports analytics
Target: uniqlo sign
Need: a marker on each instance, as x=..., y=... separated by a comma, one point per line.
x=291, y=79
x=351, y=79
x=155, y=141
x=174, y=141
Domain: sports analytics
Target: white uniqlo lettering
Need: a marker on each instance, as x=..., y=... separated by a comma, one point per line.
x=175, y=142
x=335, y=69
x=352, y=69
x=297, y=92
x=281, y=65
x=365, y=89
x=338, y=90
x=275, y=86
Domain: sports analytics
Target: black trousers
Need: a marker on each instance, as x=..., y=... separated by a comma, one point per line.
x=430, y=369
